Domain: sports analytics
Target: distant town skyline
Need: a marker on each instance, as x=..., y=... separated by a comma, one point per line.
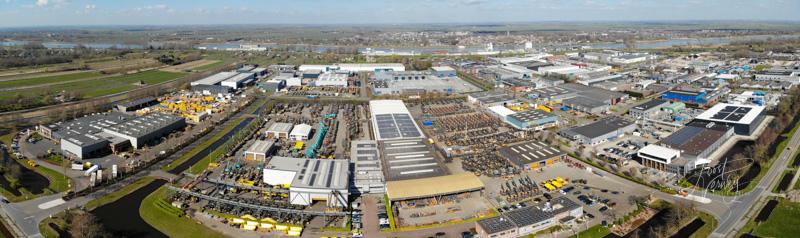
x=20, y=13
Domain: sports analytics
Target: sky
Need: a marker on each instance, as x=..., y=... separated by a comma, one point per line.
x=17, y=13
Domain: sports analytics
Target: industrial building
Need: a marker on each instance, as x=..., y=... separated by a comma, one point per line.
x=571, y=90
x=215, y=79
x=531, y=155
x=310, y=180
x=443, y=71
x=686, y=149
x=356, y=68
x=211, y=89
x=239, y=80
x=272, y=85
x=96, y=134
x=418, y=83
x=489, y=99
x=586, y=104
x=645, y=110
x=137, y=104
x=599, y=131
x=279, y=130
x=367, y=168
x=696, y=97
x=331, y=80
x=391, y=120
x=259, y=150
x=743, y=118
x=427, y=190
x=788, y=76
x=503, y=112
x=409, y=159
x=529, y=220
x=300, y=132
x=532, y=120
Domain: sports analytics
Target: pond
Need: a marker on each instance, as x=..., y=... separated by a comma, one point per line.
x=122, y=218
x=763, y=215
x=30, y=180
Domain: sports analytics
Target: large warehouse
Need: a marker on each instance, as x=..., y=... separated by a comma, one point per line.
x=392, y=120
x=743, y=118
x=529, y=220
x=531, y=154
x=409, y=159
x=694, y=143
x=310, y=180
x=368, y=169
x=354, y=67
x=532, y=120
x=490, y=99
x=427, y=188
x=94, y=135
x=599, y=131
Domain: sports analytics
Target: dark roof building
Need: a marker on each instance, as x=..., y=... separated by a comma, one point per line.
x=599, y=131
x=531, y=154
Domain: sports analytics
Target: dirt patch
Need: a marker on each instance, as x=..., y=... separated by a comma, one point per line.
x=188, y=65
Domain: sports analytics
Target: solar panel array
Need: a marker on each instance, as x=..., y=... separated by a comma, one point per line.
x=731, y=113
x=396, y=125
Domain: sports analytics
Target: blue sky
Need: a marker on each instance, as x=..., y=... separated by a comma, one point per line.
x=150, y=12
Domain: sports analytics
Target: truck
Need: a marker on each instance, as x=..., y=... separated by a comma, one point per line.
x=91, y=170
x=77, y=166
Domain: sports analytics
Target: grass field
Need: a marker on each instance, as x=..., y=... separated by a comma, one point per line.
x=708, y=228
x=116, y=195
x=165, y=218
x=783, y=222
x=597, y=231
x=47, y=79
x=202, y=146
x=101, y=87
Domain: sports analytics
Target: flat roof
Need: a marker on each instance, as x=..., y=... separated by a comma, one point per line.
x=442, y=68
x=144, y=125
x=137, y=102
x=732, y=113
x=301, y=130
x=601, y=127
x=332, y=77
x=659, y=151
x=502, y=110
x=433, y=186
x=552, y=92
x=496, y=224
x=492, y=97
x=650, y=104
x=260, y=147
x=583, y=102
x=214, y=79
x=695, y=137
x=280, y=127
x=313, y=173
x=391, y=120
x=594, y=93
x=525, y=153
x=532, y=115
x=409, y=159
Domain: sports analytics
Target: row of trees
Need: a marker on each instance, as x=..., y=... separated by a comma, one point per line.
x=785, y=113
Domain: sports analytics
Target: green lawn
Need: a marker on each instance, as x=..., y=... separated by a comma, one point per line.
x=203, y=163
x=211, y=65
x=116, y=195
x=100, y=87
x=164, y=217
x=708, y=228
x=48, y=79
x=783, y=222
x=597, y=231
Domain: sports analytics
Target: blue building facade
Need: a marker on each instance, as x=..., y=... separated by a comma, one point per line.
x=689, y=97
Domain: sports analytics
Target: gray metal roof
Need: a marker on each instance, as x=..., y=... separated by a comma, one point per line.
x=492, y=97
x=496, y=224
x=314, y=173
x=280, y=127
x=409, y=159
x=529, y=152
x=531, y=115
x=601, y=127
x=649, y=104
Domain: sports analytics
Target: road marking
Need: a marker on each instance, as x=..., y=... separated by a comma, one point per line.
x=51, y=204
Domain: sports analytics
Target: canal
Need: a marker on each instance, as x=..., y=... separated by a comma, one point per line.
x=121, y=218
x=202, y=154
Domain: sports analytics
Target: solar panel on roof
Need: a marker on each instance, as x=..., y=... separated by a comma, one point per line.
x=729, y=109
x=720, y=115
x=682, y=136
x=743, y=110
x=735, y=117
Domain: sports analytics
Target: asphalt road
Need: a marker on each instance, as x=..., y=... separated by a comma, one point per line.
x=737, y=215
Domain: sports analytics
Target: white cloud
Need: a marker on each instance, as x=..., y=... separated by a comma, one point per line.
x=42, y=3
x=54, y=3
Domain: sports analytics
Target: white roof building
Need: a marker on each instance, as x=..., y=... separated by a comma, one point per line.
x=501, y=111
x=332, y=79
x=214, y=79
x=392, y=120
x=659, y=153
x=300, y=132
x=310, y=179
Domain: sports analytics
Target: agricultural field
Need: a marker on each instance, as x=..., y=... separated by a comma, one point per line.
x=60, y=78
x=194, y=65
x=780, y=222
x=99, y=87
x=124, y=63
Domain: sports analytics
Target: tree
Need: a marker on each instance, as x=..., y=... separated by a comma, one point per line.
x=86, y=225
